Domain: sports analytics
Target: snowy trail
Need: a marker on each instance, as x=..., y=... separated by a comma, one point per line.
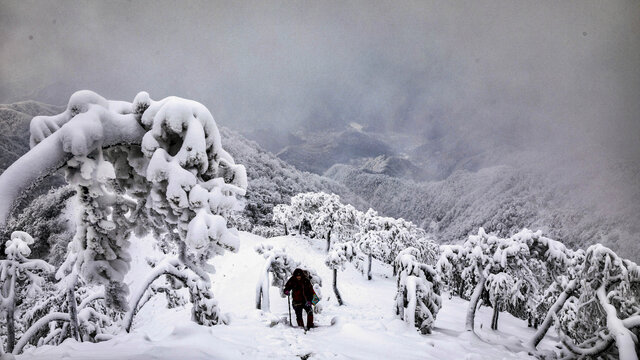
x=366, y=327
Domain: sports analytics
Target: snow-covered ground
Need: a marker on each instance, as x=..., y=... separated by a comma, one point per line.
x=366, y=327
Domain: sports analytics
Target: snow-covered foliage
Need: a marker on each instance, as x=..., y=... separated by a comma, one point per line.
x=375, y=236
x=418, y=296
x=607, y=309
x=450, y=268
x=46, y=219
x=281, y=267
x=20, y=278
x=482, y=255
x=142, y=166
x=326, y=216
x=340, y=254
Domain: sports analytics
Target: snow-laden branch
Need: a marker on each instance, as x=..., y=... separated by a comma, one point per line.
x=551, y=314
x=89, y=122
x=89, y=299
x=57, y=316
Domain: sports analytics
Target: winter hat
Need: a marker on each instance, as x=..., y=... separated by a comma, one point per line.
x=297, y=272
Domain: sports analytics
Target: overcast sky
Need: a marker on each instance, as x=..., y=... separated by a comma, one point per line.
x=543, y=73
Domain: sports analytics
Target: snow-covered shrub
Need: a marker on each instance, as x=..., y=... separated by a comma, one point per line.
x=337, y=257
x=20, y=278
x=418, y=296
x=267, y=231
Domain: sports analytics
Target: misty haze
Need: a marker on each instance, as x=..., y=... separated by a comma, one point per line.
x=453, y=179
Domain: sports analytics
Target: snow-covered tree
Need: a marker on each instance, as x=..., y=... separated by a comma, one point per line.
x=324, y=213
x=16, y=272
x=608, y=308
x=338, y=256
x=557, y=270
x=334, y=218
x=450, y=266
x=485, y=254
x=418, y=297
x=142, y=166
x=501, y=289
x=283, y=214
x=372, y=238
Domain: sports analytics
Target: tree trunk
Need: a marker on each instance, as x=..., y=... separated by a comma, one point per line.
x=328, y=240
x=286, y=231
x=73, y=314
x=8, y=293
x=11, y=330
x=548, y=320
x=369, y=267
x=473, y=303
x=335, y=287
x=494, y=318
x=623, y=336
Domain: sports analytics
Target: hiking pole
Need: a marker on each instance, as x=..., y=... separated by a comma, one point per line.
x=289, y=303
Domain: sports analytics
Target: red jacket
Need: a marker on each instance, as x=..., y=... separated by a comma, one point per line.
x=301, y=291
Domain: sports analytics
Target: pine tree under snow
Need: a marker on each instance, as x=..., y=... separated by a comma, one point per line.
x=142, y=166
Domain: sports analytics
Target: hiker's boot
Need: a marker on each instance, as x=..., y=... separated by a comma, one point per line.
x=299, y=321
x=310, y=321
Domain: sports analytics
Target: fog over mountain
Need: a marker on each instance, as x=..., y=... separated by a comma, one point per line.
x=547, y=86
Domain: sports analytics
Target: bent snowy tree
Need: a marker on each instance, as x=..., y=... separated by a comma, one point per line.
x=418, y=291
x=608, y=309
x=143, y=166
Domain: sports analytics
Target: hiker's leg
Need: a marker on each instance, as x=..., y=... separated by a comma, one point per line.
x=309, y=311
x=298, y=311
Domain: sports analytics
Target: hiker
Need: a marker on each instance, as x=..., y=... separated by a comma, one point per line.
x=303, y=296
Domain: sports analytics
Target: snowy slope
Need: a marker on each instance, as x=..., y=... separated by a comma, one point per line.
x=366, y=327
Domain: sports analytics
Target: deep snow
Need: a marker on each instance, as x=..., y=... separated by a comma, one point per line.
x=366, y=326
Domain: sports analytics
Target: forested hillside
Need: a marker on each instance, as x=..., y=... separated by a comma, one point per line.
x=501, y=199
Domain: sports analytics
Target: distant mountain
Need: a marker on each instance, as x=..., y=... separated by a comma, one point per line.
x=273, y=181
x=395, y=166
x=318, y=151
x=14, y=128
x=501, y=199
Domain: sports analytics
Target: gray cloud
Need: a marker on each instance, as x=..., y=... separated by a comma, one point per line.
x=555, y=75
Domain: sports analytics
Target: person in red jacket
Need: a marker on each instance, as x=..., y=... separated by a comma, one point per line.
x=303, y=296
